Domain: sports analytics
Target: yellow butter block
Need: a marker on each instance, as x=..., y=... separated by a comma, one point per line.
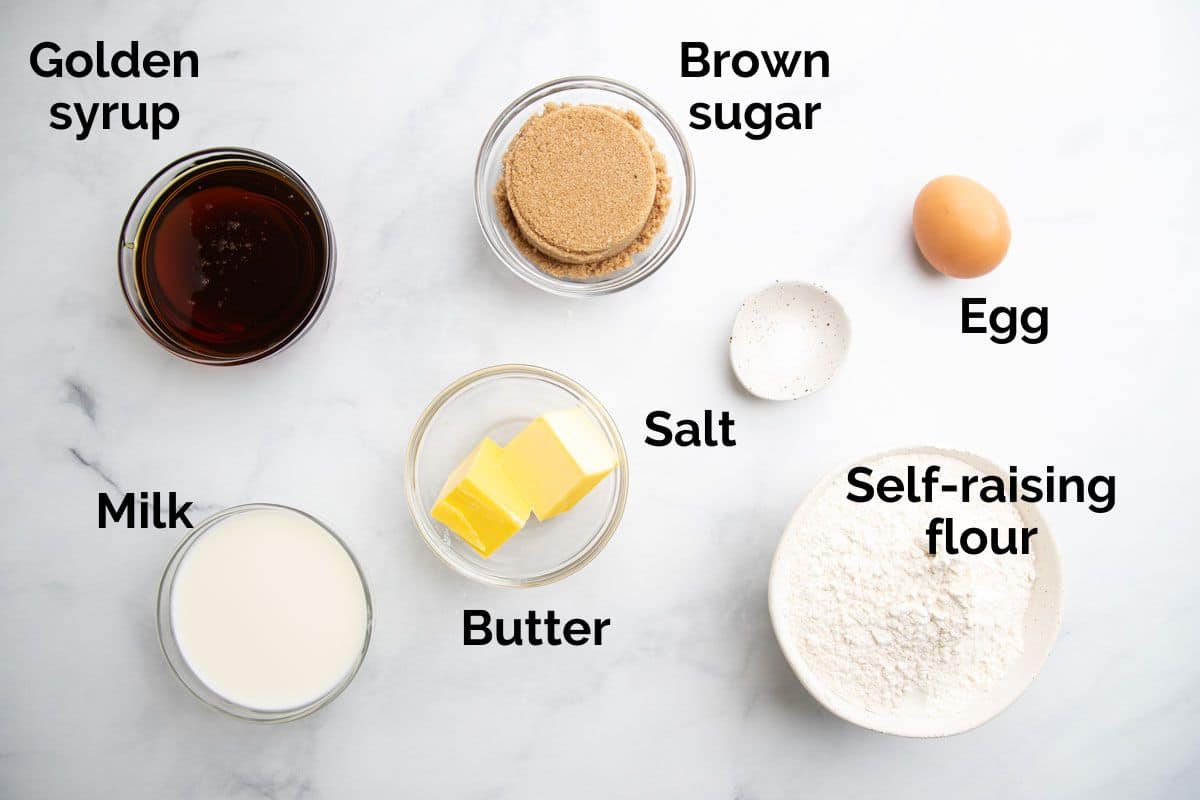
x=557, y=459
x=479, y=501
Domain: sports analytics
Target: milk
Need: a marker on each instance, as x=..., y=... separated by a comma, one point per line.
x=269, y=610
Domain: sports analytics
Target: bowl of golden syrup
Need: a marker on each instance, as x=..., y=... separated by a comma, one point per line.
x=226, y=256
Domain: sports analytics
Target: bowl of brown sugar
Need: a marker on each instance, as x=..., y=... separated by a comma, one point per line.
x=584, y=186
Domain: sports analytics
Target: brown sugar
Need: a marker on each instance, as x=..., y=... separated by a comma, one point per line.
x=582, y=190
x=580, y=183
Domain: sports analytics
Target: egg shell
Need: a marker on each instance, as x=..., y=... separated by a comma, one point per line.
x=960, y=227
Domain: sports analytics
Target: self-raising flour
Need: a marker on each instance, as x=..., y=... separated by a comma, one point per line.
x=884, y=624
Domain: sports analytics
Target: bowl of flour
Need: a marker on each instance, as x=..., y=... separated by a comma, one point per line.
x=894, y=639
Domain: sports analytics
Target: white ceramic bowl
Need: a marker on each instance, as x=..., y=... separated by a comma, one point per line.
x=788, y=340
x=1042, y=621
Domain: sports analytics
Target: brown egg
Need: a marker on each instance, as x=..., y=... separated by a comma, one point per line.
x=960, y=227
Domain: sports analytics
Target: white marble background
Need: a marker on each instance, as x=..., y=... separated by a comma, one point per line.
x=1081, y=116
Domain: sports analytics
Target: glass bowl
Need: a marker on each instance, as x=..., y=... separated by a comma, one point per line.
x=165, y=181
x=582, y=90
x=498, y=402
x=193, y=682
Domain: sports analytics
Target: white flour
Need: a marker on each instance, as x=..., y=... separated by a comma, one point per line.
x=884, y=624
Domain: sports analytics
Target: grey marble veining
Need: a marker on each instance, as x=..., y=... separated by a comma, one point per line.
x=1082, y=117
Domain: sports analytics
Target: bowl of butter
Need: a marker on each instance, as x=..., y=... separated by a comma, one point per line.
x=516, y=476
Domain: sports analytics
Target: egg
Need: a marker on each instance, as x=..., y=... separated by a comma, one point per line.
x=960, y=227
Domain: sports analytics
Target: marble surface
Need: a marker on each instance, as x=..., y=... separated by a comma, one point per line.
x=1081, y=116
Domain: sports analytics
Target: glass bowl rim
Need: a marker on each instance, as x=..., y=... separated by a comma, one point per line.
x=166, y=629
x=135, y=218
x=621, y=279
x=420, y=515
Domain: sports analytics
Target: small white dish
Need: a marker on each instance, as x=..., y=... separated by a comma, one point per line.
x=788, y=341
x=1043, y=619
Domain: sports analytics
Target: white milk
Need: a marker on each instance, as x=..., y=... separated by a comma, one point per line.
x=269, y=610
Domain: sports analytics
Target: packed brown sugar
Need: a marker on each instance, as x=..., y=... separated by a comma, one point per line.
x=582, y=190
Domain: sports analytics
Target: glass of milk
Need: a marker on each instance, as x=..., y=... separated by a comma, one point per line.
x=264, y=613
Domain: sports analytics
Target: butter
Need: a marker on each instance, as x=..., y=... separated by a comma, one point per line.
x=557, y=459
x=480, y=502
